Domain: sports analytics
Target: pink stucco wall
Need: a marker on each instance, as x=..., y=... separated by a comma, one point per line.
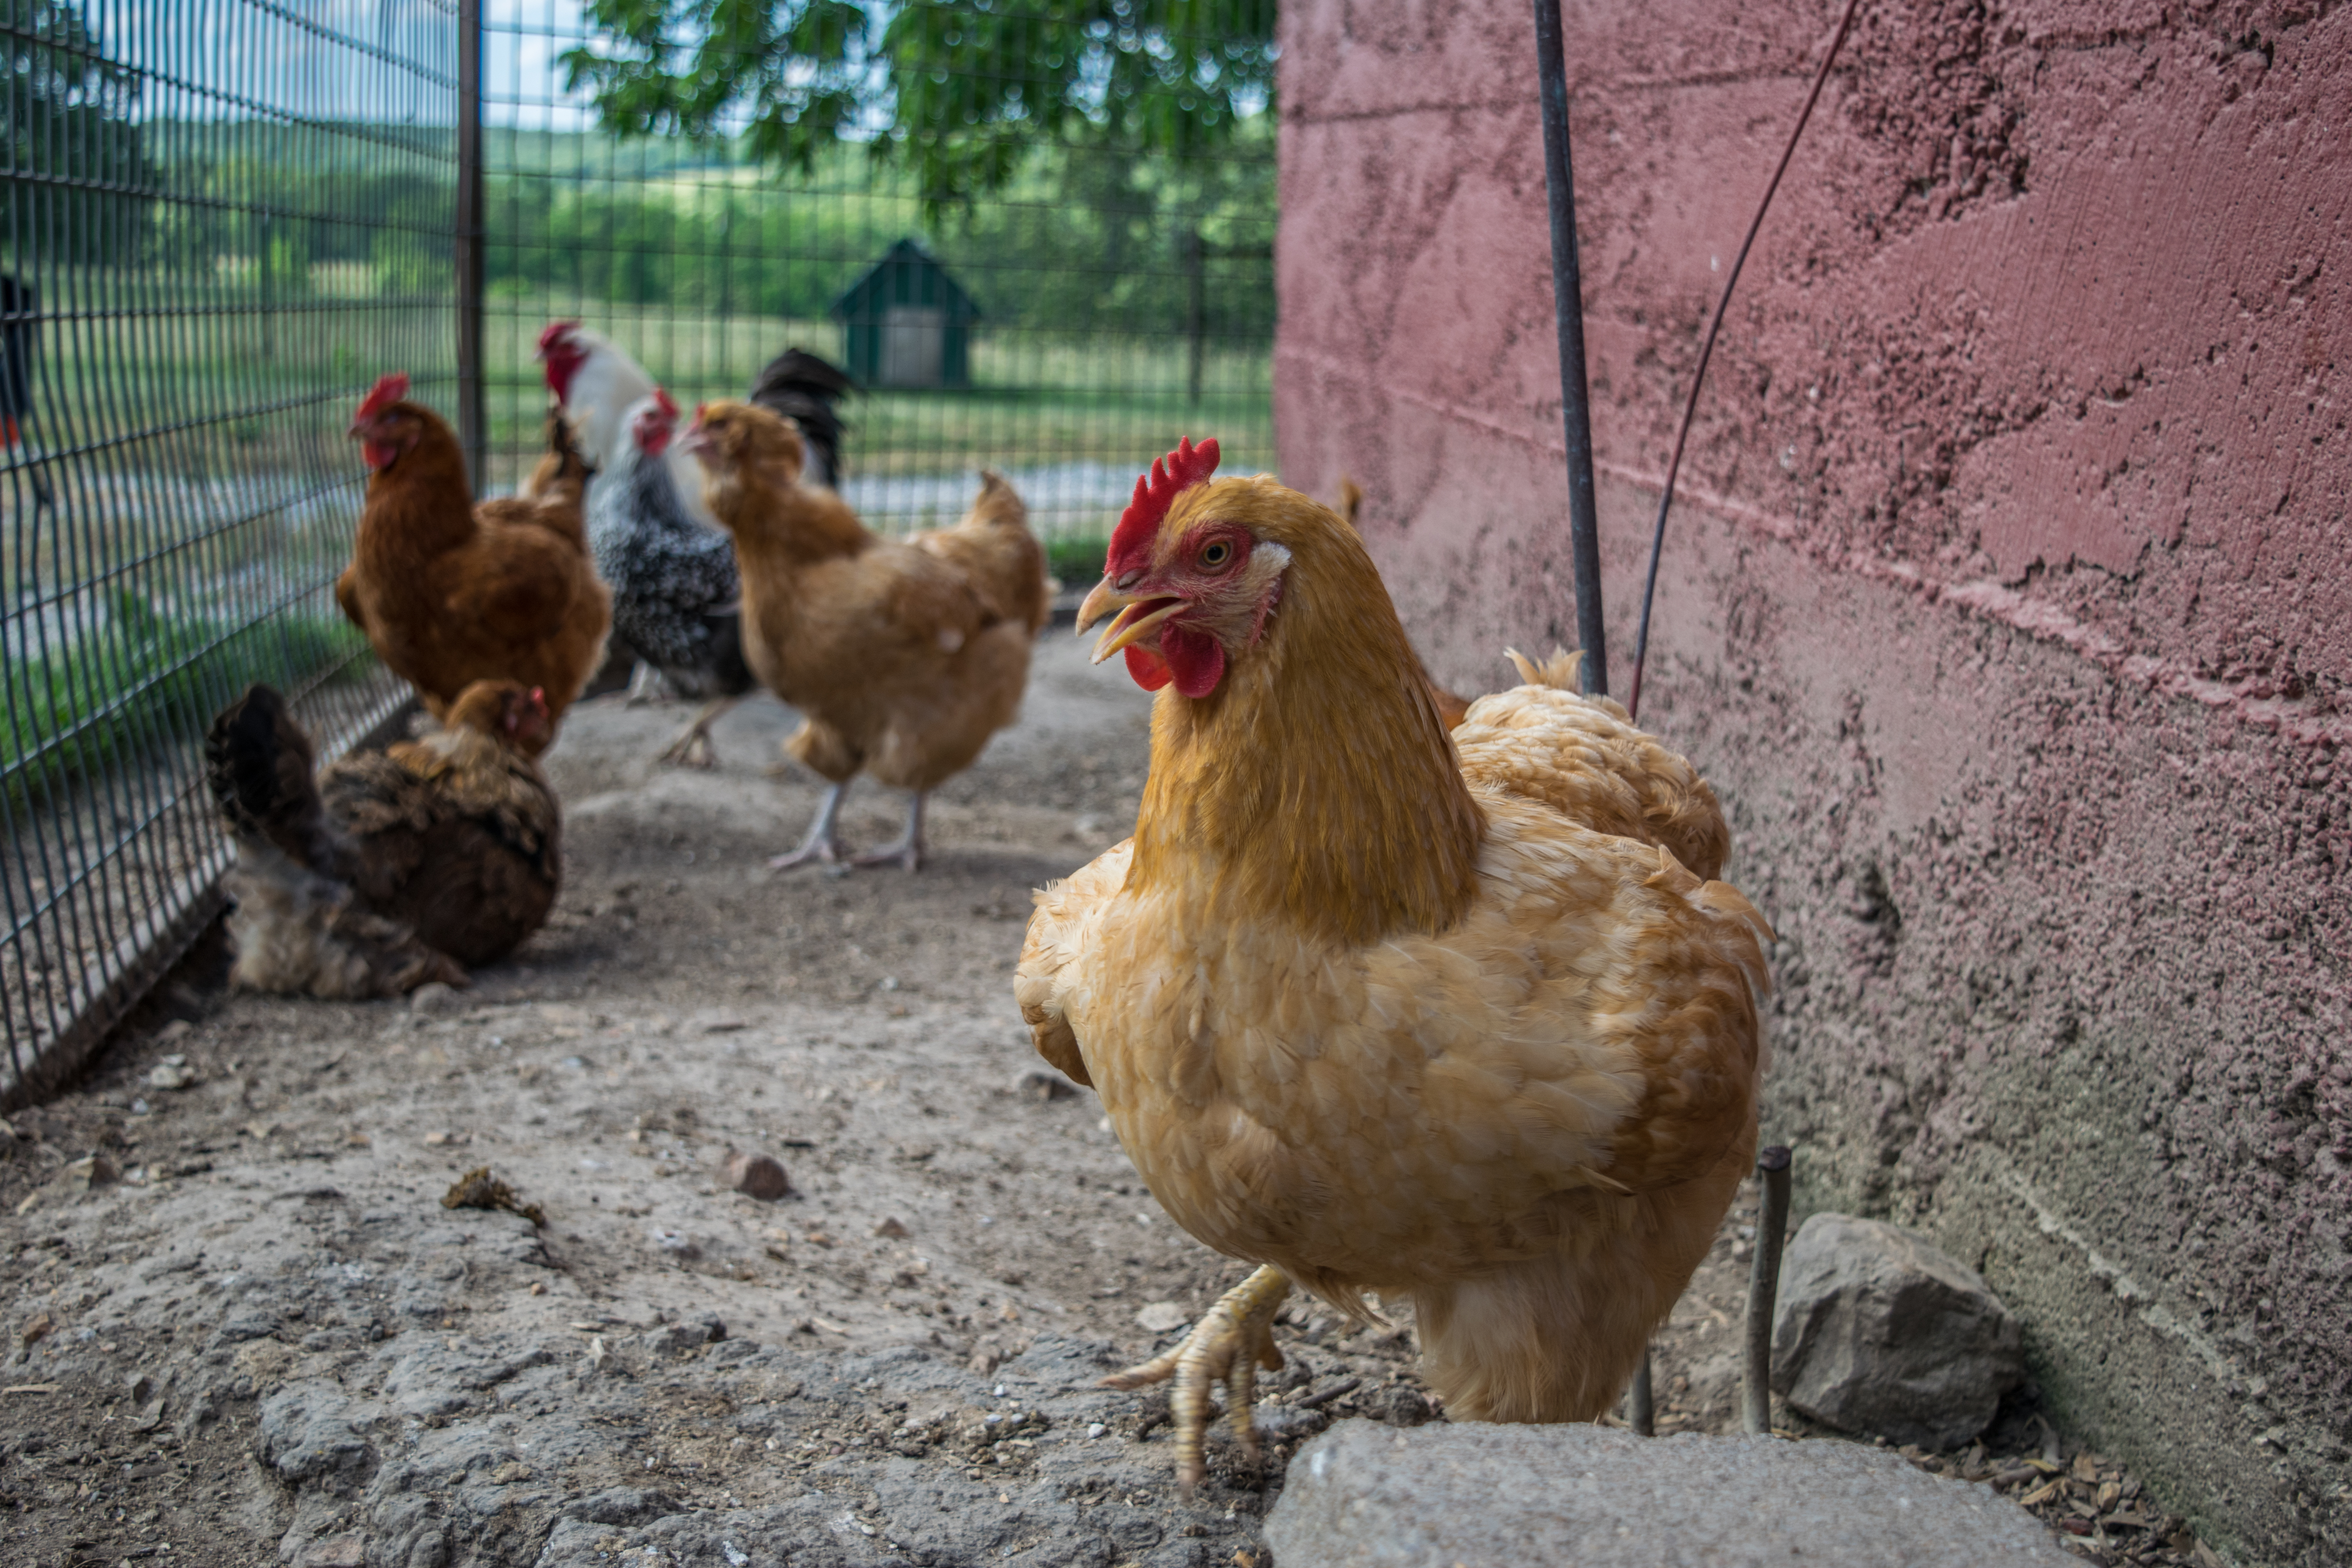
x=2008, y=604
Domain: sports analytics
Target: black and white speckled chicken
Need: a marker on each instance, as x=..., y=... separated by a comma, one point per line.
x=674, y=586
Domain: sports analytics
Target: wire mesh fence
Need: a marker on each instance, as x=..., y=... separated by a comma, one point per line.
x=212, y=216
x=221, y=220
x=1065, y=326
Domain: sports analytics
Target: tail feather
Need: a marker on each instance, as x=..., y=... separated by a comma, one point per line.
x=559, y=481
x=997, y=503
x=1560, y=672
x=992, y=547
x=803, y=388
x=258, y=763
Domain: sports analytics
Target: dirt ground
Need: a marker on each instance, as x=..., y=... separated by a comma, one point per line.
x=242, y=1328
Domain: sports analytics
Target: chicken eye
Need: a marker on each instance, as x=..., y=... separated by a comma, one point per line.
x=1216, y=554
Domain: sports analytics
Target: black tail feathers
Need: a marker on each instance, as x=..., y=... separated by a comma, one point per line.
x=803, y=388
x=259, y=763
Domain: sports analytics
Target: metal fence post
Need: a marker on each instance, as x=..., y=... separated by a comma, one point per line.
x=1568, y=306
x=1196, y=314
x=1764, y=1288
x=472, y=414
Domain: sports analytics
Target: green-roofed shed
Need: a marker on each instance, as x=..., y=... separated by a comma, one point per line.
x=905, y=322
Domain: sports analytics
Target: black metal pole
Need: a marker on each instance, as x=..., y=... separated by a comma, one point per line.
x=1568, y=304
x=1764, y=1287
x=473, y=417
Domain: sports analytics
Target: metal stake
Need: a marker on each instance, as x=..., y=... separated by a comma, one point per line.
x=473, y=416
x=1763, y=1287
x=1567, y=307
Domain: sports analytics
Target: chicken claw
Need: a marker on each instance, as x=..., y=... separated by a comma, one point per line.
x=908, y=852
x=692, y=749
x=1230, y=1342
x=823, y=840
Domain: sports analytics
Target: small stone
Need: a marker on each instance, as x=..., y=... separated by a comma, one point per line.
x=172, y=1073
x=1404, y=1407
x=1878, y=1332
x=90, y=1171
x=1162, y=1317
x=477, y=1189
x=37, y=1330
x=892, y=1230
x=510, y=1472
x=725, y=1026
x=675, y=1242
x=435, y=1000
x=761, y=1177
x=673, y=1339
x=1042, y=1084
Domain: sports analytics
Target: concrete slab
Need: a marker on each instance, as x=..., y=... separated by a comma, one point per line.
x=1478, y=1496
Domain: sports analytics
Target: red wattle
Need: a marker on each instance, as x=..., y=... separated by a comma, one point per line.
x=1197, y=658
x=1150, y=671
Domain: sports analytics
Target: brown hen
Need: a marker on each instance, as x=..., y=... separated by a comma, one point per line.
x=450, y=590
x=393, y=868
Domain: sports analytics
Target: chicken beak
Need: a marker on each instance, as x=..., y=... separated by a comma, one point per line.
x=1140, y=615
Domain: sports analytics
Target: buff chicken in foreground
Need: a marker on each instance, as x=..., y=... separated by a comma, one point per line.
x=1465, y=1020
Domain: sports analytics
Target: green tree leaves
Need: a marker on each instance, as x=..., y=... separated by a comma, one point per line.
x=65, y=116
x=956, y=91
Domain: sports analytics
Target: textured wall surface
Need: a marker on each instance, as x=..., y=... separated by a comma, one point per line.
x=2007, y=604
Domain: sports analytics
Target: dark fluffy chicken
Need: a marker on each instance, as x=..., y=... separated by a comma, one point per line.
x=393, y=868
x=674, y=583
x=803, y=389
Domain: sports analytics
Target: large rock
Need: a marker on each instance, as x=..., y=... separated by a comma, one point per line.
x=1478, y=1496
x=1879, y=1331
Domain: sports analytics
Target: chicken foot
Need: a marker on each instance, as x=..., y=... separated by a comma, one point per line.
x=907, y=850
x=692, y=749
x=823, y=840
x=1230, y=1341
x=646, y=685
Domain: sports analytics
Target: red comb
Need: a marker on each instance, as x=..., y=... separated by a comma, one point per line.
x=538, y=695
x=1180, y=470
x=669, y=404
x=697, y=412
x=386, y=392
x=554, y=334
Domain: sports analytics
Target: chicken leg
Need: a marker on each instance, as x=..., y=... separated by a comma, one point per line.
x=692, y=749
x=646, y=685
x=823, y=840
x=1230, y=1342
x=908, y=849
